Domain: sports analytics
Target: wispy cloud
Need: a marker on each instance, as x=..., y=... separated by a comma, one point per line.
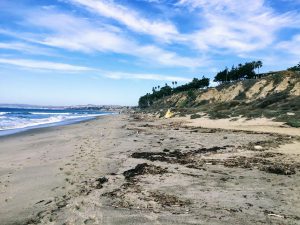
x=78, y=34
x=223, y=28
x=238, y=26
x=292, y=46
x=62, y=67
x=144, y=76
x=44, y=65
x=164, y=30
x=26, y=48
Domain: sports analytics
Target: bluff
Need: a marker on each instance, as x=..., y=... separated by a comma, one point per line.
x=276, y=95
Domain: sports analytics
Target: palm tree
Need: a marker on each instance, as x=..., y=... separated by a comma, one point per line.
x=259, y=64
x=148, y=102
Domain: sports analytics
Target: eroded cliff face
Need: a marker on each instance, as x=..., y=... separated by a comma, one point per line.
x=248, y=91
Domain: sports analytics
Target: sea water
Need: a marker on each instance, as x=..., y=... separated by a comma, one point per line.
x=14, y=120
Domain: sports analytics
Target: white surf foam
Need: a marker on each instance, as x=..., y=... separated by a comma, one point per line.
x=7, y=123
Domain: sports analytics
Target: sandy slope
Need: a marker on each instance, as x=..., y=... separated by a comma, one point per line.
x=152, y=171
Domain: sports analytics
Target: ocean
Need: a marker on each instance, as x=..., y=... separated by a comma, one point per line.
x=13, y=120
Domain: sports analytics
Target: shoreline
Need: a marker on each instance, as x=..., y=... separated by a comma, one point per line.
x=136, y=169
x=28, y=161
x=9, y=132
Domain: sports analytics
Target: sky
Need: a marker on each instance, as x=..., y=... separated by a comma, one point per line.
x=71, y=52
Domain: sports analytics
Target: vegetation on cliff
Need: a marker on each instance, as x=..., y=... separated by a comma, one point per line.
x=158, y=93
x=295, y=68
x=275, y=95
x=241, y=72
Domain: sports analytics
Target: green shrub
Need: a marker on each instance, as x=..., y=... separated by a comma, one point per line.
x=233, y=103
x=191, y=95
x=254, y=114
x=277, y=78
x=183, y=104
x=219, y=114
x=240, y=96
x=271, y=99
x=293, y=123
x=195, y=116
x=203, y=102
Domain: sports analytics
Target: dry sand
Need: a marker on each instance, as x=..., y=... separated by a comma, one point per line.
x=257, y=125
x=135, y=169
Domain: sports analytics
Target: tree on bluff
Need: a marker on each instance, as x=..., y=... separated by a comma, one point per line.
x=242, y=71
x=295, y=68
x=194, y=84
x=148, y=99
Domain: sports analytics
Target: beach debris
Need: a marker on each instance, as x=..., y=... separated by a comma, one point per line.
x=89, y=221
x=168, y=200
x=48, y=202
x=176, y=156
x=39, y=202
x=269, y=154
x=275, y=215
x=258, y=147
x=262, y=164
x=142, y=169
x=281, y=169
x=100, y=181
x=154, y=201
x=61, y=204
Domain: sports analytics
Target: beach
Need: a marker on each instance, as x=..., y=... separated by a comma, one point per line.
x=138, y=169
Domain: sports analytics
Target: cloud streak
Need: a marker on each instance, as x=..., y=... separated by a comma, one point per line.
x=234, y=26
x=78, y=34
x=224, y=28
x=26, y=48
x=44, y=65
x=292, y=46
x=144, y=76
x=131, y=19
x=62, y=67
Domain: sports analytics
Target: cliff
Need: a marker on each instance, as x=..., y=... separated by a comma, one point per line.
x=275, y=96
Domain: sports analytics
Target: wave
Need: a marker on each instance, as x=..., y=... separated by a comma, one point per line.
x=17, y=113
x=49, y=113
x=9, y=123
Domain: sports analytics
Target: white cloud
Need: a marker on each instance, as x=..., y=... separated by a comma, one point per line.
x=144, y=76
x=44, y=65
x=131, y=19
x=78, y=34
x=225, y=27
x=25, y=48
x=151, y=52
x=62, y=67
x=237, y=26
x=292, y=46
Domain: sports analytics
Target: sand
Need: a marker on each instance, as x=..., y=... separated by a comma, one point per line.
x=257, y=125
x=136, y=169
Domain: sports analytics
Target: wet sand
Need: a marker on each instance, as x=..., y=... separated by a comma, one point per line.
x=136, y=169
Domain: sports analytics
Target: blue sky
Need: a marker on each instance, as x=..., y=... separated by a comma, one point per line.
x=66, y=52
